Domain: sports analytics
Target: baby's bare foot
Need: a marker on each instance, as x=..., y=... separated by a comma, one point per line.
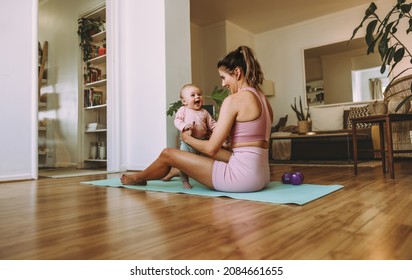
x=187, y=185
x=131, y=180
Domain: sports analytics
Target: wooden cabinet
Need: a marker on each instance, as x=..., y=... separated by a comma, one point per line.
x=93, y=96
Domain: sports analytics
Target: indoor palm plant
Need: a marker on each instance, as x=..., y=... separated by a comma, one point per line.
x=381, y=34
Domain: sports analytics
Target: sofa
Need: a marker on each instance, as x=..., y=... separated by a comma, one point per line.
x=327, y=120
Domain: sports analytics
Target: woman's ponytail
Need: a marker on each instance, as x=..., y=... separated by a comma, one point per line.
x=244, y=58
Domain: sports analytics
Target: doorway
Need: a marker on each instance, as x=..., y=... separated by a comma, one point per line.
x=61, y=91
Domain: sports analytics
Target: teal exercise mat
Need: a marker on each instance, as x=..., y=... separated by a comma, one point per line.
x=276, y=192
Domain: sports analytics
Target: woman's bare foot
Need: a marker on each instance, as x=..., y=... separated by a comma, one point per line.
x=131, y=180
x=174, y=172
x=187, y=185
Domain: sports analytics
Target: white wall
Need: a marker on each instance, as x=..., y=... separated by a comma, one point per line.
x=209, y=45
x=151, y=76
x=213, y=47
x=236, y=36
x=196, y=54
x=280, y=51
x=178, y=58
x=18, y=106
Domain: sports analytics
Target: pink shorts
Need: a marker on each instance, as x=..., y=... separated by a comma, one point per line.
x=246, y=171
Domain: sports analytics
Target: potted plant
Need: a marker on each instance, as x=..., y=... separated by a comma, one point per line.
x=381, y=34
x=304, y=123
x=218, y=95
x=87, y=27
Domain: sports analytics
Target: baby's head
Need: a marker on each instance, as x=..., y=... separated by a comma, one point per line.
x=191, y=96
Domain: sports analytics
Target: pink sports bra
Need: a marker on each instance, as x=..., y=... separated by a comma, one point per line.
x=256, y=130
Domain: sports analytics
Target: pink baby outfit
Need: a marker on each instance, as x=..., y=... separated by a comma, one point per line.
x=248, y=167
x=204, y=123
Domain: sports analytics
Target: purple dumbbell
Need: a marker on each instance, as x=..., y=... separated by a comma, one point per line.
x=300, y=174
x=296, y=179
x=286, y=177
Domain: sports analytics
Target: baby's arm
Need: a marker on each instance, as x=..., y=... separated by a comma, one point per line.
x=179, y=121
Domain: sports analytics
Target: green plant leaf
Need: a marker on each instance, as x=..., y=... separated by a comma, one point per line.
x=399, y=54
x=354, y=32
x=174, y=107
x=368, y=12
x=370, y=30
x=383, y=68
x=371, y=9
x=383, y=47
x=406, y=8
x=219, y=94
x=410, y=27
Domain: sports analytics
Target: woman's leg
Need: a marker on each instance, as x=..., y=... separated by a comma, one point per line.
x=195, y=166
x=174, y=172
x=222, y=155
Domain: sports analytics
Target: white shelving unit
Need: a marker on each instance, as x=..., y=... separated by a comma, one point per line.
x=42, y=105
x=93, y=102
x=42, y=139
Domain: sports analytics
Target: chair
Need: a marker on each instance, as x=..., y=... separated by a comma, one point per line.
x=282, y=122
x=401, y=87
x=211, y=109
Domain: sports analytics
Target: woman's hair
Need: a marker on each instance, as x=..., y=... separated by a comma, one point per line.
x=244, y=58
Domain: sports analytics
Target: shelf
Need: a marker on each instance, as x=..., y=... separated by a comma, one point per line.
x=100, y=12
x=314, y=92
x=42, y=104
x=97, y=38
x=42, y=128
x=96, y=160
x=96, y=130
x=98, y=60
x=97, y=83
x=93, y=119
x=316, y=103
x=96, y=107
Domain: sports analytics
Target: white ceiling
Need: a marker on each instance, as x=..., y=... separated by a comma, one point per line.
x=258, y=16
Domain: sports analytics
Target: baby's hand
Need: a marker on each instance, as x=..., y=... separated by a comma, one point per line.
x=193, y=125
x=189, y=127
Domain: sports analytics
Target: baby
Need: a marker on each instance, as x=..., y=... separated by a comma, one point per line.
x=192, y=116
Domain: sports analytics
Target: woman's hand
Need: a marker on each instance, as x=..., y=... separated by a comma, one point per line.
x=187, y=132
x=185, y=135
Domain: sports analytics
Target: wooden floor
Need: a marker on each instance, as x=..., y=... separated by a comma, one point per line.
x=370, y=218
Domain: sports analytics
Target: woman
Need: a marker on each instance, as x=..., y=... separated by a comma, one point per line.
x=246, y=116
